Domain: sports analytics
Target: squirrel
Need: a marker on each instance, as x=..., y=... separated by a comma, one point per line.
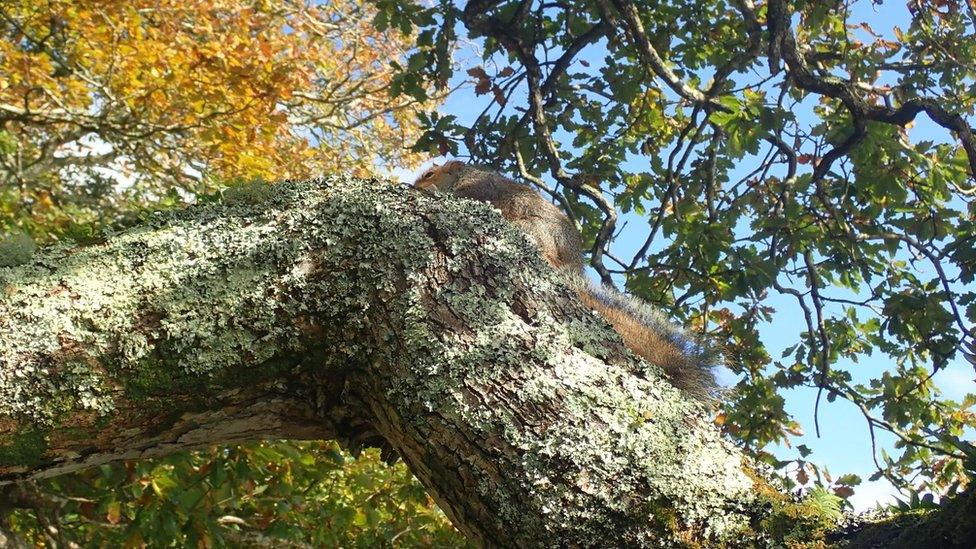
x=644, y=330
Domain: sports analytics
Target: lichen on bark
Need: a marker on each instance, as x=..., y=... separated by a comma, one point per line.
x=368, y=313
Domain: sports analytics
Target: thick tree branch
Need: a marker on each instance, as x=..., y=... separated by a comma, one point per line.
x=377, y=317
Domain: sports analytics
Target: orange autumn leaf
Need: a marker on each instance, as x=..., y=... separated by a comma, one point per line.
x=185, y=93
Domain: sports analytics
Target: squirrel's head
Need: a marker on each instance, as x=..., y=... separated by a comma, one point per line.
x=440, y=178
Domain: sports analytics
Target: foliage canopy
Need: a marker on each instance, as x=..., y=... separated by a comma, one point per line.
x=186, y=96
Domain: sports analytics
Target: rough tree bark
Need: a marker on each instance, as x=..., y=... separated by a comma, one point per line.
x=363, y=312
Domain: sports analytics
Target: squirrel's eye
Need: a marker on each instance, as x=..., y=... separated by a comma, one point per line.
x=428, y=175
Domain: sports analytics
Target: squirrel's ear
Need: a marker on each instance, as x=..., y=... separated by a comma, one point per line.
x=429, y=172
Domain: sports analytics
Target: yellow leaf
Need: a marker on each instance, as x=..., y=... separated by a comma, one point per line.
x=114, y=513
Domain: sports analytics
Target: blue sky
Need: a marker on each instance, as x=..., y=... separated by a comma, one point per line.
x=844, y=445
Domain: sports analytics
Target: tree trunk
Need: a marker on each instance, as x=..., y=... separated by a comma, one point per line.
x=367, y=313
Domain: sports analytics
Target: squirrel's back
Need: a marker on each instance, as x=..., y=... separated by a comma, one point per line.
x=547, y=226
x=644, y=330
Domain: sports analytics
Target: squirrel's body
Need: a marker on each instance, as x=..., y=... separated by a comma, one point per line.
x=545, y=224
x=643, y=329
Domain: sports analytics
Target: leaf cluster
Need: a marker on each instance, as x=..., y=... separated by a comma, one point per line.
x=262, y=494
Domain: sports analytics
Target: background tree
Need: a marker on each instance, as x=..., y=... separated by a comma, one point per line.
x=767, y=149
x=185, y=96
x=111, y=108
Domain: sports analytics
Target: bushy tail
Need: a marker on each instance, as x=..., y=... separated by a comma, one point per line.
x=686, y=360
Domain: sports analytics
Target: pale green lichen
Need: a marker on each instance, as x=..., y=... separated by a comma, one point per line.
x=132, y=304
x=243, y=193
x=16, y=249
